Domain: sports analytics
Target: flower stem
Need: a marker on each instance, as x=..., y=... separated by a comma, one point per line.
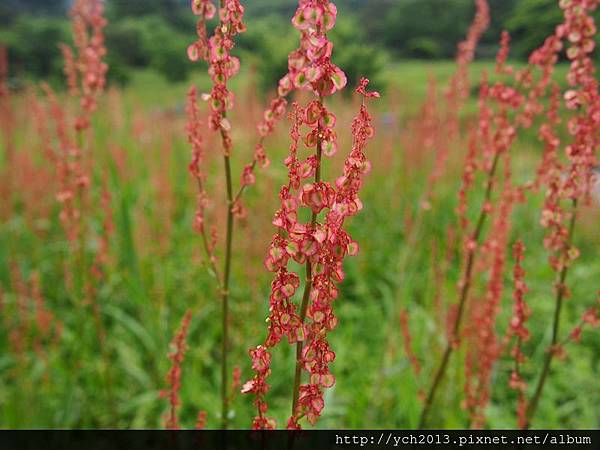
x=81, y=262
x=464, y=293
x=225, y=295
x=210, y=260
x=560, y=295
x=307, y=289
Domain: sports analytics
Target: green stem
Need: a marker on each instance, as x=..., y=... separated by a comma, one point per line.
x=81, y=261
x=464, y=293
x=560, y=295
x=225, y=295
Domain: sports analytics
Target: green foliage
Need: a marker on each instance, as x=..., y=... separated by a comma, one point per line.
x=155, y=33
x=148, y=42
x=429, y=28
x=147, y=289
x=423, y=47
x=526, y=37
x=268, y=42
x=11, y=9
x=33, y=46
x=265, y=47
x=354, y=54
x=174, y=12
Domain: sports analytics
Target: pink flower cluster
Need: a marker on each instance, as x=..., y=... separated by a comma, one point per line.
x=174, y=374
x=265, y=127
x=68, y=169
x=194, y=132
x=323, y=246
x=484, y=347
x=574, y=181
x=310, y=66
x=590, y=318
x=216, y=50
x=518, y=328
x=521, y=311
x=87, y=68
x=459, y=84
x=458, y=91
x=407, y=342
x=86, y=76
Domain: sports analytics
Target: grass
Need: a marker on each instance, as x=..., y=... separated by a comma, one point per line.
x=155, y=274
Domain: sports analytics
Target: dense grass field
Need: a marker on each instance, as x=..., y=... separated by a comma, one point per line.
x=103, y=363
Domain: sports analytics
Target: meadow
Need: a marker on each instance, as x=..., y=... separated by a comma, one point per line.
x=98, y=357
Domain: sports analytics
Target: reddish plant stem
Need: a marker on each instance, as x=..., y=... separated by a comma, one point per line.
x=560, y=296
x=464, y=293
x=307, y=288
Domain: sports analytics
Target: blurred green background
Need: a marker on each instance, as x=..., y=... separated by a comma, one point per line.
x=156, y=272
x=370, y=33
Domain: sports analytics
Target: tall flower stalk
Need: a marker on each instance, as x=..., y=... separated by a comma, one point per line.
x=85, y=71
x=572, y=185
x=518, y=328
x=216, y=51
x=488, y=147
x=495, y=137
x=222, y=66
x=320, y=245
x=174, y=375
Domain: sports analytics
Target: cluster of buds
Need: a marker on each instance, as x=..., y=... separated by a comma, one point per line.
x=216, y=51
x=86, y=72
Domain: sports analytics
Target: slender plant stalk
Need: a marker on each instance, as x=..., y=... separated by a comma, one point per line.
x=560, y=295
x=243, y=186
x=225, y=285
x=81, y=269
x=464, y=293
x=83, y=275
x=207, y=250
x=307, y=289
x=225, y=294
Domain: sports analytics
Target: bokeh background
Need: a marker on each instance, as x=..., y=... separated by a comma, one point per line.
x=406, y=47
x=370, y=35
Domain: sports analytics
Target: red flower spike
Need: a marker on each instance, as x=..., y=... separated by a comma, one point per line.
x=323, y=244
x=174, y=375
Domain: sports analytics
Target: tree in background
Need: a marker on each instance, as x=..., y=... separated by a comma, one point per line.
x=148, y=34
